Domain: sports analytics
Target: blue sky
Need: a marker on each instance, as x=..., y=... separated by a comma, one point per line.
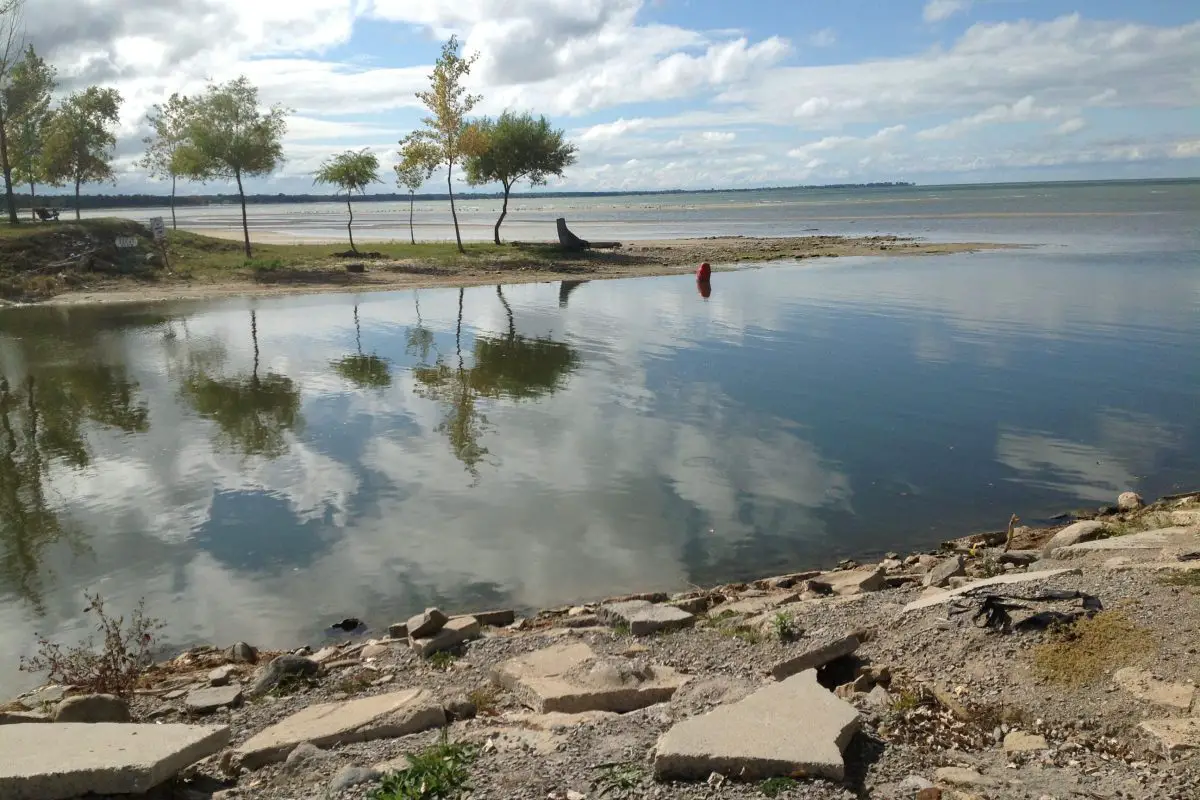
x=686, y=93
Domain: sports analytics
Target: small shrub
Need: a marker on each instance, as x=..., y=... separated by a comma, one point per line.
x=443, y=660
x=784, y=627
x=485, y=699
x=439, y=772
x=293, y=684
x=263, y=264
x=1086, y=650
x=619, y=780
x=773, y=787
x=622, y=629
x=125, y=655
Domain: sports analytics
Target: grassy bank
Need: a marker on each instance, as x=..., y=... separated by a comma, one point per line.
x=81, y=261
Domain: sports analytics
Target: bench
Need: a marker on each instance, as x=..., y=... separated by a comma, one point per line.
x=47, y=214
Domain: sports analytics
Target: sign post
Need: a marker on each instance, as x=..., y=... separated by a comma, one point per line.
x=159, y=230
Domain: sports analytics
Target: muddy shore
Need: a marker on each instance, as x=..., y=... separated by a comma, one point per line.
x=635, y=259
x=889, y=681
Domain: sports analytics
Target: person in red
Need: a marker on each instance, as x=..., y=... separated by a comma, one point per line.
x=703, y=274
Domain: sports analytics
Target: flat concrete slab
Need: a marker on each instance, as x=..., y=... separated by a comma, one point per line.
x=384, y=716
x=787, y=728
x=852, y=581
x=645, y=618
x=814, y=656
x=999, y=580
x=451, y=635
x=571, y=679
x=1178, y=733
x=55, y=762
x=1144, y=686
x=1135, y=544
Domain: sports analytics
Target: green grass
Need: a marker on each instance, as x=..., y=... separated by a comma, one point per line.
x=439, y=772
x=443, y=660
x=784, y=627
x=1189, y=579
x=619, y=780
x=773, y=787
x=486, y=700
x=1143, y=522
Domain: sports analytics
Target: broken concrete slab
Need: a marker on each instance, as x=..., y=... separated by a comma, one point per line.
x=92, y=708
x=944, y=570
x=792, y=727
x=938, y=598
x=279, y=668
x=962, y=776
x=384, y=716
x=426, y=624
x=815, y=657
x=850, y=581
x=206, y=701
x=1144, y=686
x=221, y=675
x=499, y=618
x=454, y=633
x=1180, y=733
x=570, y=678
x=22, y=717
x=1021, y=742
x=556, y=720
x=1084, y=531
x=758, y=604
x=645, y=618
x=55, y=762
x=1145, y=543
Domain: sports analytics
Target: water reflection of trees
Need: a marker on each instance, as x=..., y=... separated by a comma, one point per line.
x=364, y=371
x=504, y=367
x=44, y=416
x=253, y=413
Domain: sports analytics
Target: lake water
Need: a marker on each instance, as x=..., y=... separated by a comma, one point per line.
x=259, y=468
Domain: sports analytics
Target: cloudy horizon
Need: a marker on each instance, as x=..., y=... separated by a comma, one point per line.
x=678, y=94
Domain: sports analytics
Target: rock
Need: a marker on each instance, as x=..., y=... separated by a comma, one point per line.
x=242, y=653
x=1018, y=558
x=220, y=676
x=879, y=697
x=164, y=710
x=1130, y=501
x=350, y=777
x=326, y=654
x=1021, y=742
x=206, y=701
x=915, y=783
x=937, y=598
x=692, y=605
x=92, y=708
x=891, y=565
x=571, y=679
x=957, y=582
x=426, y=624
x=384, y=716
x=56, y=762
x=574, y=795
x=455, y=632
x=376, y=650
x=794, y=726
x=1145, y=686
x=36, y=699
x=929, y=793
x=1180, y=733
x=815, y=657
x=305, y=758
x=22, y=717
x=460, y=707
x=1143, y=544
x=790, y=580
x=270, y=675
x=398, y=630
x=492, y=619
x=644, y=618
x=960, y=776
x=944, y=570
x=850, y=581
x=1073, y=534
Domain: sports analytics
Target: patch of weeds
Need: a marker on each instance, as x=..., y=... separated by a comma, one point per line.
x=353, y=684
x=485, y=699
x=747, y=635
x=1143, y=522
x=1190, y=579
x=773, y=787
x=989, y=567
x=122, y=659
x=293, y=684
x=784, y=627
x=439, y=772
x=618, y=780
x=905, y=699
x=264, y=264
x=442, y=660
x=622, y=629
x=1086, y=650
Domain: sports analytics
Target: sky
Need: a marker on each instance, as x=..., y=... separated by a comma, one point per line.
x=691, y=94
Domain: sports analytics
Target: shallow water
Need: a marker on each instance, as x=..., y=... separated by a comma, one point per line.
x=258, y=469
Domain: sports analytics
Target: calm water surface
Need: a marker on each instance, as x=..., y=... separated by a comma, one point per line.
x=260, y=468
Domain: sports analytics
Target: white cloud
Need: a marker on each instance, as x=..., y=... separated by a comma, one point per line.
x=1072, y=125
x=1024, y=110
x=938, y=10
x=826, y=37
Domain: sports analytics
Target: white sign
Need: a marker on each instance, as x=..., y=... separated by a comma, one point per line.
x=158, y=228
x=126, y=242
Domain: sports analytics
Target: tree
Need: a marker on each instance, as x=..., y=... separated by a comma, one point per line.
x=517, y=147
x=80, y=139
x=229, y=136
x=11, y=42
x=366, y=372
x=167, y=153
x=446, y=137
x=32, y=82
x=351, y=171
x=411, y=173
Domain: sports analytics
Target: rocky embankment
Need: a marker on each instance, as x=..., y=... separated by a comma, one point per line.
x=1046, y=664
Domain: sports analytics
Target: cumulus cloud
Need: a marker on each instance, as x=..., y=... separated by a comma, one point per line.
x=938, y=10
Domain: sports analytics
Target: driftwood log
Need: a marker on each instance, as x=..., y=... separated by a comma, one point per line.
x=569, y=241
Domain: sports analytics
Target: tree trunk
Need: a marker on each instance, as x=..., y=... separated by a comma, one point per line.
x=503, y=211
x=77, y=199
x=411, y=235
x=174, y=224
x=32, y=204
x=245, y=225
x=7, y=167
x=254, y=338
x=453, y=213
x=350, y=227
